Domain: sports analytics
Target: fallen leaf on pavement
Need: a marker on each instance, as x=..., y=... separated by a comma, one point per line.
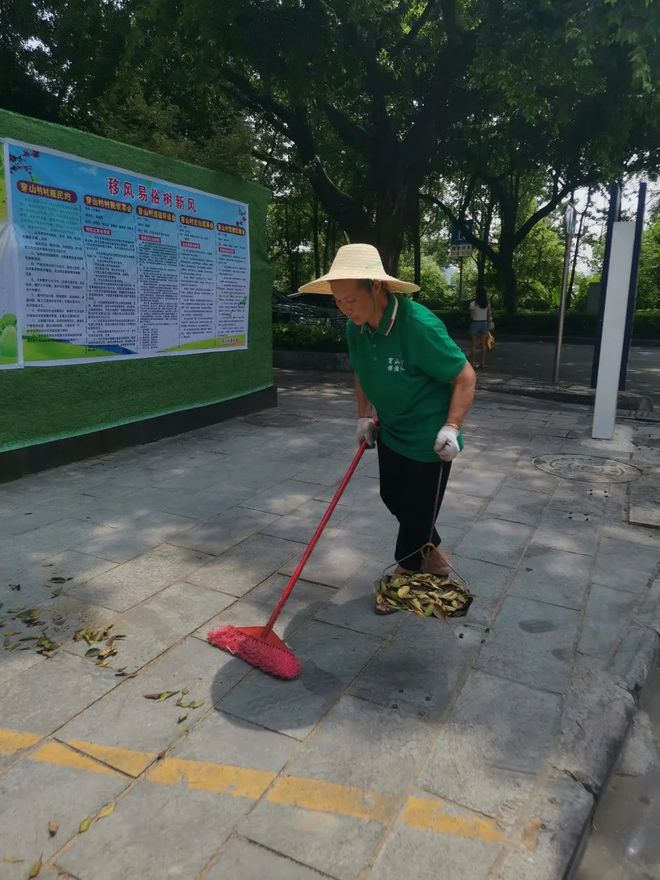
x=107, y=810
x=84, y=825
x=35, y=870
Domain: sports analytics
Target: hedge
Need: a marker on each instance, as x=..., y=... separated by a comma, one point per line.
x=301, y=337
x=646, y=323
x=308, y=337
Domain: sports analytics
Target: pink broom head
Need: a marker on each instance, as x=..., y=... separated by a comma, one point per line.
x=269, y=654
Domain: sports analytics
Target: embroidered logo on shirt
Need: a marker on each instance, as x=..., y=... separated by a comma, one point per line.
x=395, y=365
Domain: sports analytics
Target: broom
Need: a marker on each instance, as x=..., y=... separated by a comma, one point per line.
x=258, y=645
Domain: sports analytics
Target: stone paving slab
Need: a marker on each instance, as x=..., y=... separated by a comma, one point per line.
x=331, y=658
x=255, y=608
x=568, y=530
x=368, y=746
x=117, y=544
x=554, y=576
x=339, y=555
x=52, y=538
x=250, y=862
x=283, y=498
x=456, y=857
x=531, y=642
x=497, y=736
x=220, y=738
x=606, y=614
x=133, y=582
x=33, y=794
x=495, y=540
x=487, y=582
x=417, y=670
x=352, y=606
x=125, y=718
x=339, y=846
x=246, y=564
x=222, y=532
x=618, y=565
x=44, y=697
x=123, y=844
x=302, y=523
x=517, y=505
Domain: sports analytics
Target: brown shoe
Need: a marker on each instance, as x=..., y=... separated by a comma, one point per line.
x=435, y=561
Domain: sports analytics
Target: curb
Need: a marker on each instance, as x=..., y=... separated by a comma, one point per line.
x=598, y=714
x=599, y=710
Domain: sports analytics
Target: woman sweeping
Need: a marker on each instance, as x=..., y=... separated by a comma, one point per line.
x=416, y=379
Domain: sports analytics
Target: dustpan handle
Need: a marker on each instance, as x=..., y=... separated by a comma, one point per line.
x=315, y=538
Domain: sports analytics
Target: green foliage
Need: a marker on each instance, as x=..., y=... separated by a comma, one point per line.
x=304, y=337
x=7, y=320
x=433, y=282
x=8, y=341
x=539, y=262
x=366, y=103
x=648, y=283
x=646, y=323
x=301, y=337
x=160, y=126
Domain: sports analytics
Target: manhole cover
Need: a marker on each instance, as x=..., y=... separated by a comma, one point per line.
x=587, y=468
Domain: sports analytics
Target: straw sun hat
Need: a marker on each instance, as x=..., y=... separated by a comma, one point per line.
x=357, y=261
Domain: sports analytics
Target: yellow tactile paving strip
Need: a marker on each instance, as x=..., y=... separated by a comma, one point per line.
x=310, y=794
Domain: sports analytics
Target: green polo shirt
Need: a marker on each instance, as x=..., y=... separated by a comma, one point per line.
x=406, y=367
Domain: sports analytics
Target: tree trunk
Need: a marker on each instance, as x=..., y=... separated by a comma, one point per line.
x=578, y=237
x=295, y=281
x=333, y=242
x=315, y=236
x=290, y=257
x=326, y=244
x=417, y=251
x=509, y=281
x=505, y=253
x=485, y=237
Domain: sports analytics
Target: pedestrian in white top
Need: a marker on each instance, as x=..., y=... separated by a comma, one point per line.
x=481, y=323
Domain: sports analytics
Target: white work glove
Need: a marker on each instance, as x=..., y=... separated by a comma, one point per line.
x=366, y=430
x=446, y=443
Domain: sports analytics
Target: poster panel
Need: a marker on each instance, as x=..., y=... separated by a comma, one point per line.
x=10, y=347
x=113, y=264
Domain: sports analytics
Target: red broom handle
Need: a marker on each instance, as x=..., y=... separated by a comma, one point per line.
x=312, y=544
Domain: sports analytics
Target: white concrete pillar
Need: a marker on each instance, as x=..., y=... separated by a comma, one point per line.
x=614, y=325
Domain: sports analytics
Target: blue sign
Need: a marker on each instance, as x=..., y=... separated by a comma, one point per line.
x=457, y=235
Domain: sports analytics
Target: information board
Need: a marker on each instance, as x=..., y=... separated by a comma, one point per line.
x=9, y=343
x=115, y=265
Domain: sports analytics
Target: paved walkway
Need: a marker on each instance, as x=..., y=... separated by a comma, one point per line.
x=534, y=360
x=406, y=745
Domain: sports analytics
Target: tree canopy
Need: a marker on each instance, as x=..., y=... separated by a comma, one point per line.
x=377, y=114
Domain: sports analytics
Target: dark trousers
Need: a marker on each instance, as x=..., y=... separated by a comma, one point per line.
x=409, y=489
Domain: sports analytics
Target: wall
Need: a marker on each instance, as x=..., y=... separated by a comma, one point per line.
x=40, y=404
